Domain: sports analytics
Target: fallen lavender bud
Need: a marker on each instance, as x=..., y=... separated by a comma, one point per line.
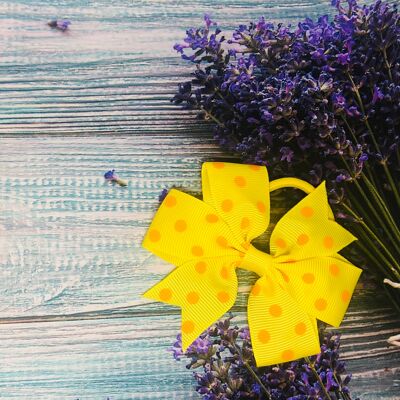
x=112, y=176
x=60, y=24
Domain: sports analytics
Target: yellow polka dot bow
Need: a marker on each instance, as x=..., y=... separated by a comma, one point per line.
x=302, y=279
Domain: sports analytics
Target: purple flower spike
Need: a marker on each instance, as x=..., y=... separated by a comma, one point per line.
x=273, y=91
x=207, y=20
x=343, y=59
x=225, y=368
x=378, y=95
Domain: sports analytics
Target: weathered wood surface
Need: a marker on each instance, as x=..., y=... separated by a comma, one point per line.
x=72, y=324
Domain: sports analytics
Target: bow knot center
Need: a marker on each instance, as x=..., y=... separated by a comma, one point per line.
x=256, y=261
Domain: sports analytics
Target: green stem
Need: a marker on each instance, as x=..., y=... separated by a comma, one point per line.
x=392, y=183
x=375, y=180
x=248, y=367
x=367, y=166
x=379, y=219
x=378, y=262
x=385, y=58
x=373, y=235
x=345, y=396
x=362, y=210
x=371, y=206
x=371, y=244
x=384, y=164
x=371, y=133
x=314, y=371
x=367, y=227
x=382, y=205
x=217, y=121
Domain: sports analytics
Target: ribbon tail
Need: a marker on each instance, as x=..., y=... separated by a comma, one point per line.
x=204, y=289
x=280, y=331
x=322, y=286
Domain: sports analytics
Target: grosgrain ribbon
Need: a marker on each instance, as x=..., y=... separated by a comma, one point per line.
x=303, y=278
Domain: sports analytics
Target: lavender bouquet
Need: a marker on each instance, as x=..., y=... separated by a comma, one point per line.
x=225, y=358
x=320, y=101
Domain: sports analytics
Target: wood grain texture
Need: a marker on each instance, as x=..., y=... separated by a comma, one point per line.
x=72, y=324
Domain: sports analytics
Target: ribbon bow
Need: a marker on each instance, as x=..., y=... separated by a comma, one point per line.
x=301, y=280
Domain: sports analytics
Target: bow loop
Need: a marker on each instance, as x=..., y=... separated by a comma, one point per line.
x=185, y=228
x=302, y=279
x=306, y=231
x=240, y=194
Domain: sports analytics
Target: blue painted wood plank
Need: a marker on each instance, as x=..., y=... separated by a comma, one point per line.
x=73, y=271
x=72, y=324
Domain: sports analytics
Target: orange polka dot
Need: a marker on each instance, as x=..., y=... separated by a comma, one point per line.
x=221, y=241
x=218, y=165
x=188, y=326
x=223, y=297
x=201, y=267
x=224, y=273
x=154, y=235
x=165, y=294
x=308, y=277
x=320, y=304
x=170, y=201
x=307, y=212
x=275, y=310
x=261, y=207
x=345, y=296
x=180, y=225
x=328, y=242
x=334, y=269
x=245, y=223
x=264, y=336
x=197, y=251
x=255, y=167
x=302, y=239
x=285, y=277
x=240, y=181
x=212, y=218
x=192, y=297
x=227, y=205
x=300, y=328
x=288, y=355
x=256, y=290
x=280, y=243
x=246, y=245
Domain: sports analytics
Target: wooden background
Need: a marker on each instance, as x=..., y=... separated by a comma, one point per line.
x=73, y=105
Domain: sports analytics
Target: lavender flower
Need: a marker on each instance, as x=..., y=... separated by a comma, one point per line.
x=225, y=369
x=60, y=24
x=320, y=101
x=162, y=195
x=112, y=176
